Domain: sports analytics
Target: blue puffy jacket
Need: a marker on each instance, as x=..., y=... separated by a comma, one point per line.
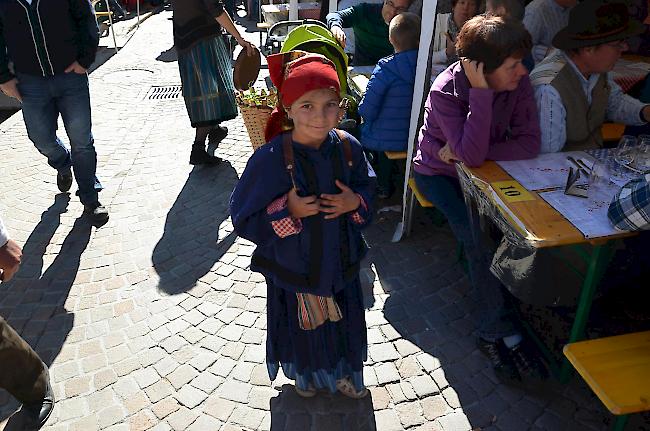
x=386, y=106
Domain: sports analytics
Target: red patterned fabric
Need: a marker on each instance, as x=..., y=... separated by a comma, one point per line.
x=356, y=217
x=285, y=226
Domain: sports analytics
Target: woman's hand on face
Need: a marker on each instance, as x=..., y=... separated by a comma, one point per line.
x=474, y=72
x=341, y=203
x=302, y=207
x=446, y=155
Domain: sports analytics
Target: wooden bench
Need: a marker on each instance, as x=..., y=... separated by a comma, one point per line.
x=617, y=369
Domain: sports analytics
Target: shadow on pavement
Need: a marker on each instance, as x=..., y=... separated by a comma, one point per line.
x=325, y=411
x=168, y=56
x=432, y=306
x=33, y=303
x=190, y=245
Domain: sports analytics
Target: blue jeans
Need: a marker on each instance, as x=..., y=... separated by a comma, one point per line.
x=44, y=98
x=446, y=195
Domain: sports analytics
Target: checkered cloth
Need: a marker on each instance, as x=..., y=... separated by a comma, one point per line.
x=630, y=208
x=285, y=226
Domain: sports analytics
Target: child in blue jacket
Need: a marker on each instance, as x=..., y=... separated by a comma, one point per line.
x=386, y=105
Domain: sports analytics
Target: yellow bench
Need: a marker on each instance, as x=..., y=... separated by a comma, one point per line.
x=395, y=155
x=612, y=131
x=617, y=369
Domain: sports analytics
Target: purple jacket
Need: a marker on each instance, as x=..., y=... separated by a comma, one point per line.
x=478, y=124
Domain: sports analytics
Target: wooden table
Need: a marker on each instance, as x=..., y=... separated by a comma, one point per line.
x=542, y=226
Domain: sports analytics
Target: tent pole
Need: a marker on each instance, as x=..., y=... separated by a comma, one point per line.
x=420, y=90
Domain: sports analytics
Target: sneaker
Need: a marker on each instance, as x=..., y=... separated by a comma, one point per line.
x=306, y=393
x=498, y=355
x=64, y=180
x=346, y=387
x=200, y=157
x=217, y=134
x=528, y=365
x=97, y=213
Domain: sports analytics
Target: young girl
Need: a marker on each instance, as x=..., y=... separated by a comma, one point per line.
x=303, y=199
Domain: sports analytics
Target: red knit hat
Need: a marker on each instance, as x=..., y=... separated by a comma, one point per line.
x=295, y=73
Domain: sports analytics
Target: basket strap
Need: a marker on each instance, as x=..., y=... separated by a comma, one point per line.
x=287, y=151
x=347, y=149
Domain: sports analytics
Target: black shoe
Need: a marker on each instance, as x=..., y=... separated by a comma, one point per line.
x=497, y=353
x=64, y=180
x=200, y=157
x=97, y=213
x=36, y=414
x=216, y=134
x=527, y=363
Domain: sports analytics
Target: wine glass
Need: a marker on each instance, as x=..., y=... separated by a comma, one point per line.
x=642, y=158
x=624, y=153
x=599, y=178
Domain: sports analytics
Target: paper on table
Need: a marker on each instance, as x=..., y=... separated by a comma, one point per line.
x=545, y=171
x=589, y=215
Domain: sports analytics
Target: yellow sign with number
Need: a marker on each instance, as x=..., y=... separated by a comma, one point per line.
x=512, y=191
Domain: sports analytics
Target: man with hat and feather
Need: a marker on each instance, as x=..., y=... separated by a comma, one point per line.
x=574, y=91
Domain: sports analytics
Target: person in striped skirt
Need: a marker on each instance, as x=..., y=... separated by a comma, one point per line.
x=205, y=66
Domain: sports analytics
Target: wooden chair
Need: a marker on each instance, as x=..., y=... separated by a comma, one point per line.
x=612, y=131
x=617, y=369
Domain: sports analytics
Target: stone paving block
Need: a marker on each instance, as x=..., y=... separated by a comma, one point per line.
x=126, y=367
x=387, y=420
x=260, y=376
x=386, y=373
x=210, y=325
x=405, y=347
x=190, y=397
x=410, y=414
x=228, y=315
x=104, y=378
x=223, y=366
x=71, y=408
x=435, y=406
x=219, y=408
x=451, y=397
x=165, y=366
x=111, y=415
x=456, y=421
x=87, y=423
x=396, y=393
x=174, y=343
x=233, y=350
x=409, y=367
x=408, y=391
x=247, y=417
x=182, y=375
x=77, y=386
x=204, y=359
x=165, y=407
x=383, y=352
x=424, y=385
x=234, y=391
x=146, y=377
x=242, y=371
x=181, y=419
x=204, y=423
x=118, y=354
x=137, y=402
x=125, y=387
x=142, y=421
x=440, y=378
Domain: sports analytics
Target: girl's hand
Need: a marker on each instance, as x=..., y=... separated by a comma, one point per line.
x=474, y=72
x=250, y=49
x=302, y=207
x=341, y=203
x=446, y=155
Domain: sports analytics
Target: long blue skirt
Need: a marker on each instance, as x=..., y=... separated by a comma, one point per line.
x=320, y=356
x=208, y=89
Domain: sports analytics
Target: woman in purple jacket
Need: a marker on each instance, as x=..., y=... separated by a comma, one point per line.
x=481, y=108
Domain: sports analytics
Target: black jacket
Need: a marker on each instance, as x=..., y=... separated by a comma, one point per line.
x=194, y=21
x=46, y=37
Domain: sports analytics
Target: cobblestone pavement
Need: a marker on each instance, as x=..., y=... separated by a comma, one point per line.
x=155, y=322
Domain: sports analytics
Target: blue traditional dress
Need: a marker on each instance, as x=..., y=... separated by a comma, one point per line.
x=308, y=258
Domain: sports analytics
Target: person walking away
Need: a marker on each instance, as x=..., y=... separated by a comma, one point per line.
x=205, y=66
